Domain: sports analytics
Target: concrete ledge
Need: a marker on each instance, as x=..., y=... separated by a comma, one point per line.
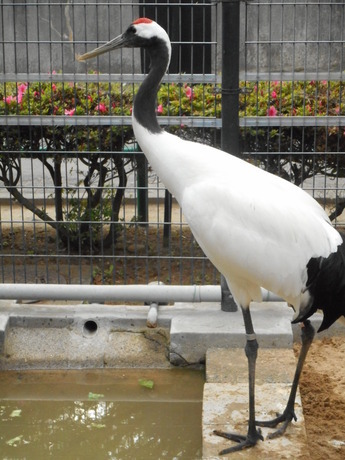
x=4, y=322
x=225, y=403
x=192, y=336
x=57, y=336
x=194, y=328
x=230, y=366
x=225, y=407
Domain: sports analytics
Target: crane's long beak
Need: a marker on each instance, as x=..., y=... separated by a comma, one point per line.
x=115, y=43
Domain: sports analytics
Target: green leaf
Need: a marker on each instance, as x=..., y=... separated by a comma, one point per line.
x=146, y=383
x=95, y=396
x=14, y=441
x=97, y=425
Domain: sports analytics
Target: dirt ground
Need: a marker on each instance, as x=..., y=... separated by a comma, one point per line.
x=322, y=388
x=141, y=255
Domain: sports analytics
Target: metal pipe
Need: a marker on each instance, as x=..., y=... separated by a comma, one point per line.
x=135, y=293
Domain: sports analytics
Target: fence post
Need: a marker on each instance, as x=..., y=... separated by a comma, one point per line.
x=230, y=75
x=230, y=100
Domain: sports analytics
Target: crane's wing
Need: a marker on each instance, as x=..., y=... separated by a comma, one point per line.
x=257, y=227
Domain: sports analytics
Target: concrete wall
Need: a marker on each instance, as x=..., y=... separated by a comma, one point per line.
x=56, y=32
x=316, y=29
x=45, y=37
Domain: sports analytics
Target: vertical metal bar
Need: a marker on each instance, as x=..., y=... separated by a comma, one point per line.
x=142, y=191
x=230, y=75
x=167, y=218
x=230, y=100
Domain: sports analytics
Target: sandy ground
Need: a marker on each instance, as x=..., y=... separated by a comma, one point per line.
x=322, y=387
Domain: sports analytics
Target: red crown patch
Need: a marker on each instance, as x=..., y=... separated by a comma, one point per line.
x=142, y=21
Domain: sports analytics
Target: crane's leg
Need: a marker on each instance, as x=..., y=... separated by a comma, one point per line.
x=307, y=335
x=253, y=434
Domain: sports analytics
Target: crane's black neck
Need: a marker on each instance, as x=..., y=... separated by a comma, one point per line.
x=145, y=100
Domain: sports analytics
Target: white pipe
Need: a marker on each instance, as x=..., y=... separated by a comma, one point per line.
x=152, y=316
x=136, y=293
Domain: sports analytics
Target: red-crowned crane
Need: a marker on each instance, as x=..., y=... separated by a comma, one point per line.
x=257, y=229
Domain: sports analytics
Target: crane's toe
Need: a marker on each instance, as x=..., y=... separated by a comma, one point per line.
x=243, y=442
x=286, y=417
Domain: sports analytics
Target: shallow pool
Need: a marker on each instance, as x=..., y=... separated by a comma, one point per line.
x=101, y=414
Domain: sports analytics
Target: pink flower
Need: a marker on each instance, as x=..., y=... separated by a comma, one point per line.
x=21, y=90
x=189, y=92
x=272, y=111
x=70, y=112
x=101, y=108
x=53, y=87
x=20, y=97
x=337, y=110
x=274, y=95
x=160, y=108
x=9, y=99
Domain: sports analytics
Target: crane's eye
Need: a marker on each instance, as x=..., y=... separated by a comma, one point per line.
x=131, y=30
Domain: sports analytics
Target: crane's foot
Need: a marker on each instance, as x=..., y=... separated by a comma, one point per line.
x=286, y=417
x=243, y=442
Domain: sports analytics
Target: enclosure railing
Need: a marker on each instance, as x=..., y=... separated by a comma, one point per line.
x=80, y=203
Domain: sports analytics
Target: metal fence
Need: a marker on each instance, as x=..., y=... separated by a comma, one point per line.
x=293, y=102
x=79, y=203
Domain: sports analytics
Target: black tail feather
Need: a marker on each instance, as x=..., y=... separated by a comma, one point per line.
x=326, y=284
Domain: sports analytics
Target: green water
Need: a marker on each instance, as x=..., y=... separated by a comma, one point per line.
x=103, y=414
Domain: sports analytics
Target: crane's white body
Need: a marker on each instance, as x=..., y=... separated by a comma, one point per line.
x=257, y=229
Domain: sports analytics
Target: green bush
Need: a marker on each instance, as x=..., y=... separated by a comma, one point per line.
x=310, y=98
x=93, y=213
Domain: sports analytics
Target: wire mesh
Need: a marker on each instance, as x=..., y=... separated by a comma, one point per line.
x=79, y=203
x=293, y=99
